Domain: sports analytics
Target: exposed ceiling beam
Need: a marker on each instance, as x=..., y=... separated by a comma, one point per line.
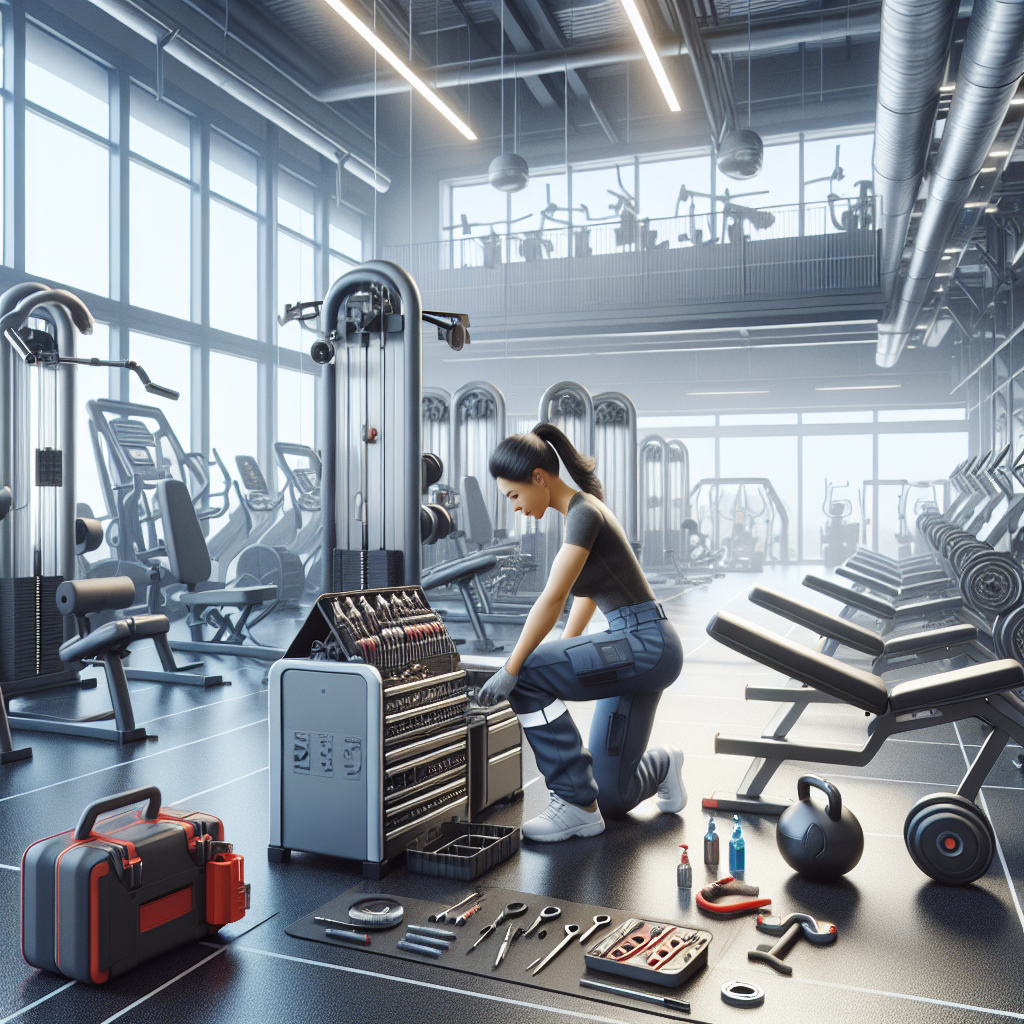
x=774, y=34
x=523, y=42
x=552, y=36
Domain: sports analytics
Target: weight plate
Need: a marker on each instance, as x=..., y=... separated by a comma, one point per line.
x=962, y=549
x=949, y=838
x=744, y=994
x=992, y=583
x=1008, y=634
x=955, y=536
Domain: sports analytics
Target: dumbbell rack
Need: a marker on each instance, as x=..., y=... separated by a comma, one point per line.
x=368, y=736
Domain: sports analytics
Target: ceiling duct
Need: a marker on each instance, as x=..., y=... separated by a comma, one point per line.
x=916, y=37
x=216, y=69
x=990, y=71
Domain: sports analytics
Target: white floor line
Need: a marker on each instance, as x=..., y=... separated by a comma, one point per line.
x=536, y=778
x=690, y=654
x=914, y=999
x=999, y=845
x=213, y=789
x=37, y=1002
x=134, y=760
x=202, y=707
x=166, y=984
x=9, y=867
x=426, y=984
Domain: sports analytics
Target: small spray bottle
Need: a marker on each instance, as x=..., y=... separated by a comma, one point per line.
x=737, y=847
x=711, y=845
x=684, y=874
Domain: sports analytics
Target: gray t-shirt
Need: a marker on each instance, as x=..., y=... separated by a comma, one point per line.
x=611, y=577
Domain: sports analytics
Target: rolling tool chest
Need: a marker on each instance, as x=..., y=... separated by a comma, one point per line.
x=368, y=731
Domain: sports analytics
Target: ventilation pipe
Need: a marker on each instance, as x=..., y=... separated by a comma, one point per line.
x=913, y=51
x=214, y=68
x=990, y=71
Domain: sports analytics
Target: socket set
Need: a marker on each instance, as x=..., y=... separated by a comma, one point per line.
x=373, y=680
x=391, y=630
x=653, y=951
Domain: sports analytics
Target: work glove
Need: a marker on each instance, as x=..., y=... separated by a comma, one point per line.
x=497, y=688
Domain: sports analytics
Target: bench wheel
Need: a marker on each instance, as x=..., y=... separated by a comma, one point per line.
x=949, y=838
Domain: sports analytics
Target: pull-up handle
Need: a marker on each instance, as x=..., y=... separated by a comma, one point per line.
x=112, y=803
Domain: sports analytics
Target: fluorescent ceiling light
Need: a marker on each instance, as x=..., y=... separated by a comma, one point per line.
x=401, y=67
x=999, y=152
x=991, y=209
x=1016, y=102
x=987, y=170
x=728, y=392
x=974, y=205
x=633, y=12
x=954, y=249
x=862, y=387
x=944, y=273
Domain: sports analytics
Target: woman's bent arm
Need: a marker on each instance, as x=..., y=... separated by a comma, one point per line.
x=546, y=609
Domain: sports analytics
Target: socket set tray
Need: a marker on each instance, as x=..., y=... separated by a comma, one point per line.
x=652, y=951
x=459, y=849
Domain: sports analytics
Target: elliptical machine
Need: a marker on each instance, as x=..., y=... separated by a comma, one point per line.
x=838, y=537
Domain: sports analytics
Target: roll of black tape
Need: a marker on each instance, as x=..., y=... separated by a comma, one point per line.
x=744, y=994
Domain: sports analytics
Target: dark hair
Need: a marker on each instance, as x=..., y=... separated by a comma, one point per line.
x=519, y=455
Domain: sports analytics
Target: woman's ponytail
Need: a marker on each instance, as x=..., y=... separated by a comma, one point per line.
x=581, y=468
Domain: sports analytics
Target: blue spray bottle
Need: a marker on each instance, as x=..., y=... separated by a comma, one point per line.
x=737, y=847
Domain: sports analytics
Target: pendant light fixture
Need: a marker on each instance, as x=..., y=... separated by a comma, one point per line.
x=508, y=172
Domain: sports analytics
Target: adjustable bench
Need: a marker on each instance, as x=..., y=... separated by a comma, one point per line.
x=940, y=608
x=462, y=572
x=104, y=646
x=189, y=560
x=982, y=691
x=895, y=590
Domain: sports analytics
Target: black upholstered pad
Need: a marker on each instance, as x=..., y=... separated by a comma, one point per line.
x=875, y=585
x=861, y=689
x=459, y=569
x=228, y=597
x=865, y=602
x=874, y=571
x=846, y=632
x=931, y=606
x=931, y=639
x=951, y=687
x=113, y=634
x=187, y=553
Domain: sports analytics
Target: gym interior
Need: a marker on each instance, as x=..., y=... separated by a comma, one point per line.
x=285, y=286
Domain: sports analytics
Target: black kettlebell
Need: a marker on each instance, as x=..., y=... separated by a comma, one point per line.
x=817, y=842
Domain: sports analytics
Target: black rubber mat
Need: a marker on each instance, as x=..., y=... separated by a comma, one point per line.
x=561, y=975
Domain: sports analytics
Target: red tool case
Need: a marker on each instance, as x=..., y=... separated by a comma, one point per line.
x=113, y=894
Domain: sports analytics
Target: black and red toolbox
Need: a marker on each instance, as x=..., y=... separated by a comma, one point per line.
x=117, y=892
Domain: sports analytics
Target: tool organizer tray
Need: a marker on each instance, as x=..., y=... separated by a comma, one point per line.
x=562, y=975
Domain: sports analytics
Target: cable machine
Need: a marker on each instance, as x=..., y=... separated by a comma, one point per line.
x=370, y=421
x=615, y=449
x=653, y=492
x=477, y=428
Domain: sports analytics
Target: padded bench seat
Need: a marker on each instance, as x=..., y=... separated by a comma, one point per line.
x=862, y=689
x=824, y=624
x=459, y=569
x=952, y=687
x=883, y=609
x=112, y=634
x=931, y=639
x=230, y=597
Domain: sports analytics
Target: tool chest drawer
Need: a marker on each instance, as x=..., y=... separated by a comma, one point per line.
x=495, y=756
x=369, y=740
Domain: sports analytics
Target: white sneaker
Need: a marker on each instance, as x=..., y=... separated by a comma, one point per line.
x=672, y=792
x=561, y=820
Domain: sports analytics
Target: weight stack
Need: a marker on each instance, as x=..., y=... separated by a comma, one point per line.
x=362, y=570
x=31, y=627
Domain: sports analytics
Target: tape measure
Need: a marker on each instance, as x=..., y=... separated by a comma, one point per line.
x=377, y=912
x=744, y=994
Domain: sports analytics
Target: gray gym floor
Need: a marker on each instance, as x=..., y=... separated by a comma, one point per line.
x=909, y=950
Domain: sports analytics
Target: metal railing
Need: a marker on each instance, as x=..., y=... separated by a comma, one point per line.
x=629, y=263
